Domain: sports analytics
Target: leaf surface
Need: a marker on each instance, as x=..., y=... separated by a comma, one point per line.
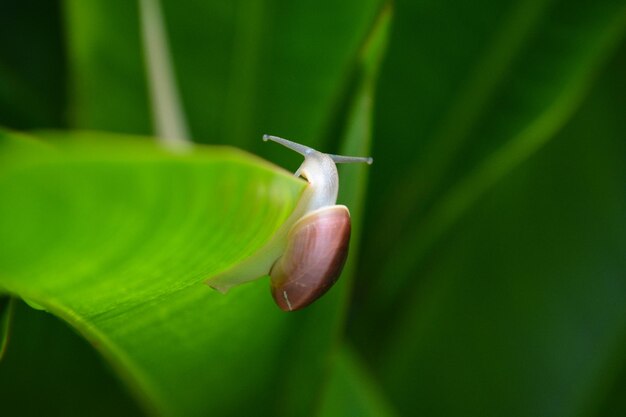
x=115, y=236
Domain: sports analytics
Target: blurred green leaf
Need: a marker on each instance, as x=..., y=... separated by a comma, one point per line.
x=521, y=289
x=108, y=88
x=492, y=264
x=31, y=40
x=487, y=130
x=351, y=390
x=357, y=139
x=243, y=68
x=49, y=370
x=6, y=313
x=116, y=237
x=524, y=303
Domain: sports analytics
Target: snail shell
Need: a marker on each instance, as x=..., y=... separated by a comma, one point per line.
x=316, y=253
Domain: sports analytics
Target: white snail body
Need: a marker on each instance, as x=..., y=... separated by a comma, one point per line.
x=306, y=255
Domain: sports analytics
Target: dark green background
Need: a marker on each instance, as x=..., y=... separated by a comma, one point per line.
x=492, y=275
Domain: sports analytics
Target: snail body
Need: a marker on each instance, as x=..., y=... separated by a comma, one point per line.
x=306, y=255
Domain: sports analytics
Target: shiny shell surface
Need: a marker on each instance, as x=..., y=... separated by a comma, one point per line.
x=315, y=255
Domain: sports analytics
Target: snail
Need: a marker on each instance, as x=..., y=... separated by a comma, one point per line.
x=305, y=256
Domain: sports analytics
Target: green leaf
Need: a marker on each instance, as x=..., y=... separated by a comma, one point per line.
x=108, y=88
x=526, y=298
x=351, y=390
x=491, y=274
x=31, y=40
x=6, y=313
x=537, y=93
x=357, y=137
x=520, y=309
x=70, y=378
x=242, y=68
x=116, y=236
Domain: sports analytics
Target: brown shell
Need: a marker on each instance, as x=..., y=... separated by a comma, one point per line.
x=315, y=255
